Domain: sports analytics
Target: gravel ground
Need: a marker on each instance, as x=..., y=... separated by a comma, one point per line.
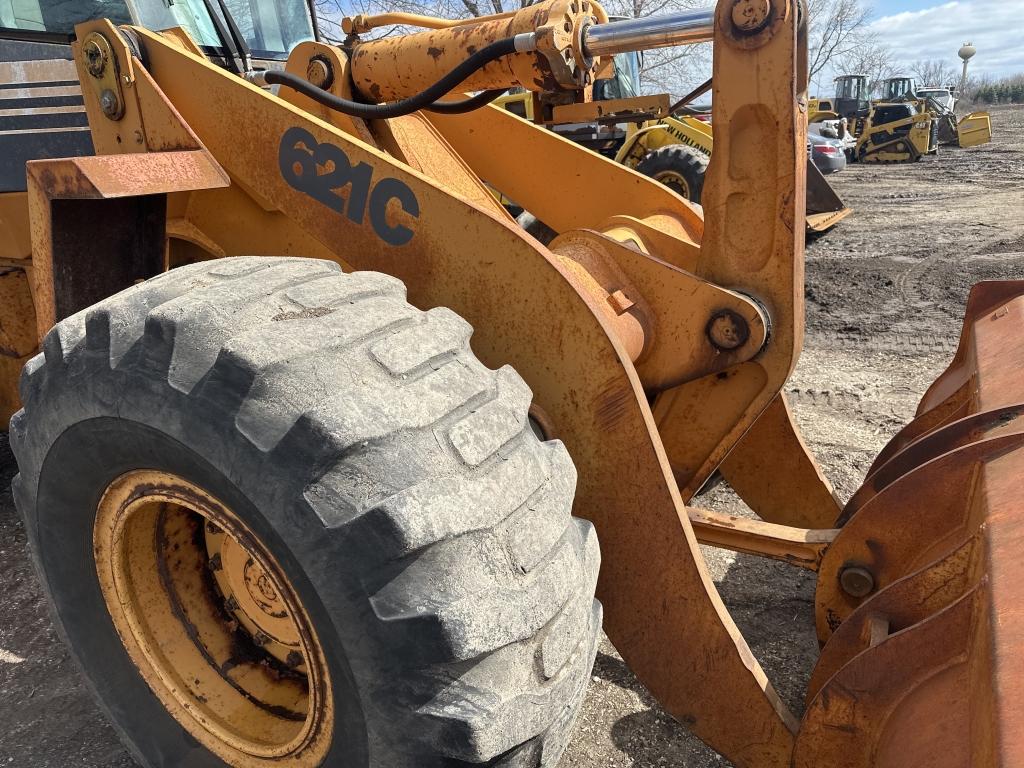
x=885, y=295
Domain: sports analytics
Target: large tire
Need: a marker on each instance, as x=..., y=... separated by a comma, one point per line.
x=392, y=478
x=678, y=167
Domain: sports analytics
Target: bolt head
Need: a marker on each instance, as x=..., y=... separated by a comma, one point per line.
x=108, y=102
x=750, y=16
x=728, y=330
x=857, y=581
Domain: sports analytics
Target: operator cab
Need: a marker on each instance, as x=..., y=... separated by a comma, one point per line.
x=268, y=28
x=624, y=83
x=851, y=96
x=43, y=110
x=898, y=89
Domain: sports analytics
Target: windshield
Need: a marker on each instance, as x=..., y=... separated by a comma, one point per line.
x=270, y=27
x=896, y=89
x=625, y=83
x=850, y=88
x=59, y=16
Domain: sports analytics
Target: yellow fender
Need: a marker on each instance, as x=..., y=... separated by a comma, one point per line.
x=670, y=130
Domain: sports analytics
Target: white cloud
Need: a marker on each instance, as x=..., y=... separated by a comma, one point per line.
x=994, y=26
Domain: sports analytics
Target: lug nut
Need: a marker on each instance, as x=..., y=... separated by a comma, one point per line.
x=857, y=581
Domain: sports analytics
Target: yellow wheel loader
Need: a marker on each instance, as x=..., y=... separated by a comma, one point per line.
x=970, y=131
x=303, y=414
x=648, y=135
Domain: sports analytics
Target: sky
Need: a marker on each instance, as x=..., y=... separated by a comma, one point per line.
x=925, y=29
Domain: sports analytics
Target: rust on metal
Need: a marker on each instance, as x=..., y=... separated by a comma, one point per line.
x=641, y=297
x=398, y=67
x=227, y=683
x=796, y=546
x=773, y=471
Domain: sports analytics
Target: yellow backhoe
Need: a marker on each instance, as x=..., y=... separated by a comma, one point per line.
x=303, y=414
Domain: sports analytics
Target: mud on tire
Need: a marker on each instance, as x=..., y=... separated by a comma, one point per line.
x=394, y=478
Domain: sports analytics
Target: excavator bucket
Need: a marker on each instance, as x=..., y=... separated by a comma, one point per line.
x=917, y=602
x=975, y=129
x=825, y=209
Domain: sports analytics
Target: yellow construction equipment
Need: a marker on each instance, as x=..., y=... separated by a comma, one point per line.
x=648, y=135
x=287, y=517
x=939, y=102
x=886, y=131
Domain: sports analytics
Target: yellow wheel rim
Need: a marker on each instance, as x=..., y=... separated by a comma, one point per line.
x=676, y=182
x=212, y=624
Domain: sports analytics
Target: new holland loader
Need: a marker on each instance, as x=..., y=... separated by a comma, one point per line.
x=303, y=415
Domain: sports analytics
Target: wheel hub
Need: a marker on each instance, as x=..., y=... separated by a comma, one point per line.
x=212, y=624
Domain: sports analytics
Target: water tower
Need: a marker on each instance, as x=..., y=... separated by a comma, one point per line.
x=966, y=52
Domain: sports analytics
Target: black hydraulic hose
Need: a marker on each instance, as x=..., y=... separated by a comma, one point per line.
x=466, y=105
x=422, y=100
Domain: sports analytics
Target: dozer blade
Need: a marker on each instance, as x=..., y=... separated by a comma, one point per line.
x=825, y=209
x=918, y=599
x=975, y=129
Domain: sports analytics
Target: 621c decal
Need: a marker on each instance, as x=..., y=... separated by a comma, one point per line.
x=304, y=164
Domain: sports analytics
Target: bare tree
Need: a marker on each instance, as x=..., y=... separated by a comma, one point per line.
x=838, y=30
x=873, y=59
x=934, y=72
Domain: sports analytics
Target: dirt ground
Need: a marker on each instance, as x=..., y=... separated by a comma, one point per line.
x=885, y=294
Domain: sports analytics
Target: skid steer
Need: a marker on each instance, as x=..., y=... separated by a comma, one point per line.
x=289, y=514
x=970, y=131
x=666, y=142
x=885, y=132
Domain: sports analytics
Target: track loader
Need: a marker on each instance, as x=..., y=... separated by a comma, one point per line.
x=666, y=142
x=886, y=132
x=969, y=131
x=288, y=514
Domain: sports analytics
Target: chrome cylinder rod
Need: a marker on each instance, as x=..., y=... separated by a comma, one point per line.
x=684, y=28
